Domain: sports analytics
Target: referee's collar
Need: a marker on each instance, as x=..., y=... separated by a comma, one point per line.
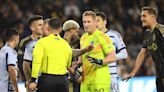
x=57, y=37
x=54, y=35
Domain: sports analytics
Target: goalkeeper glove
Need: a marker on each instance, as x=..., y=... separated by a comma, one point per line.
x=78, y=71
x=94, y=60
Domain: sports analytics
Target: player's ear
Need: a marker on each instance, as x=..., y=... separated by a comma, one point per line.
x=32, y=27
x=48, y=28
x=154, y=17
x=105, y=22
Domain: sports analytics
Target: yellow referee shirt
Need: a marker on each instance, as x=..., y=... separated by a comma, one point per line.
x=51, y=55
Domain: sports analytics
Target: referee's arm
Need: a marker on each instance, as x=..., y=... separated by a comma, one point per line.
x=37, y=60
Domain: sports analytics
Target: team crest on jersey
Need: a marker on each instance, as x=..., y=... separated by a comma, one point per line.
x=92, y=42
x=14, y=52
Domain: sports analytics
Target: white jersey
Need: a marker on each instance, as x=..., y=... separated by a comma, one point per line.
x=119, y=45
x=119, y=49
x=8, y=56
x=28, y=51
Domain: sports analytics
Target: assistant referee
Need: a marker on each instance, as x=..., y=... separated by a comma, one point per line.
x=52, y=56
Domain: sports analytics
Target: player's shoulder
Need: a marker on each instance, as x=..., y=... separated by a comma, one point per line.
x=84, y=36
x=8, y=49
x=5, y=49
x=31, y=43
x=103, y=36
x=160, y=27
x=115, y=33
x=24, y=40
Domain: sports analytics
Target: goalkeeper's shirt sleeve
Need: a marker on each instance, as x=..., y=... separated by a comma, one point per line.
x=106, y=44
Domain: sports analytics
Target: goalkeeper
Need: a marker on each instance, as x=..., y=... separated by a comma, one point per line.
x=95, y=76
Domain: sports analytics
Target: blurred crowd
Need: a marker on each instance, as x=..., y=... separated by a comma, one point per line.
x=123, y=16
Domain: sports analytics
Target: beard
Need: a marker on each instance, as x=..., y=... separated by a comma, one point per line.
x=39, y=33
x=143, y=24
x=74, y=39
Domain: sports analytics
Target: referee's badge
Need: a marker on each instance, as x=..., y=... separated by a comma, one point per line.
x=57, y=38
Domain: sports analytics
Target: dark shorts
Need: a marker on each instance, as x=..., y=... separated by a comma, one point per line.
x=52, y=83
x=160, y=84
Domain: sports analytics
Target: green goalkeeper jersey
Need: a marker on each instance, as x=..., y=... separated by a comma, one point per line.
x=92, y=73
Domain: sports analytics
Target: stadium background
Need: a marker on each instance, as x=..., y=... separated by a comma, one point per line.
x=123, y=16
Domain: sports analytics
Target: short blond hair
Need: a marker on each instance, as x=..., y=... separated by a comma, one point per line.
x=70, y=24
x=90, y=13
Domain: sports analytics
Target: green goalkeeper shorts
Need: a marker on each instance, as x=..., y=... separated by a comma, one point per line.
x=95, y=88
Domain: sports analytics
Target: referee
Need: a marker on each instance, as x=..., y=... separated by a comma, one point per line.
x=52, y=56
x=154, y=44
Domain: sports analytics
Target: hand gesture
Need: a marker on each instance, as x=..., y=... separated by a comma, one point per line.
x=94, y=60
x=128, y=77
x=89, y=48
x=78, y=71
x=33, y=86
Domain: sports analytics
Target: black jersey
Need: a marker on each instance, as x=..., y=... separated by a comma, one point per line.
x=154, y=42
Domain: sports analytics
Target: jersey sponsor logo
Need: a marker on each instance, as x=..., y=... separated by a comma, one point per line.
x=153, y=47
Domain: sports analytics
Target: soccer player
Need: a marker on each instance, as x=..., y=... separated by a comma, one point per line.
x=154, y=44
x=71, y=28
x=95, y=77
x=35, y=24
x=120, y=48
x=27, y=63
x=8, y=62
x=52, y=56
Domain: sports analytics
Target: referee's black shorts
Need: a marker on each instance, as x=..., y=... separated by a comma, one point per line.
x=52, y=83
x=160, y=84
